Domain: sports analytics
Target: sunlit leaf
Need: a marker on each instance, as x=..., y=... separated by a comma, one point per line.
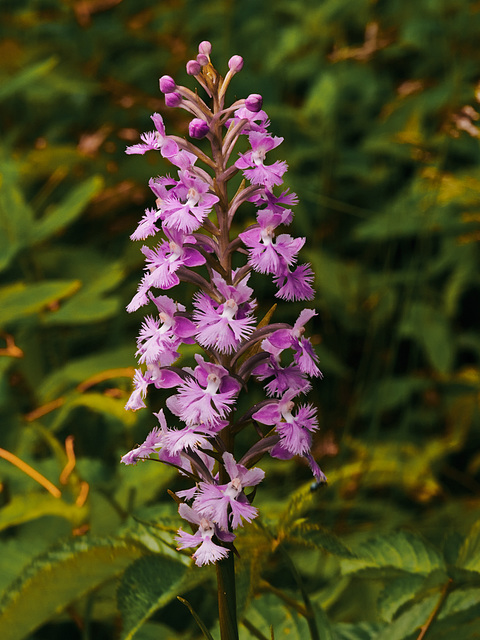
x=21, y=299
x=33, y=505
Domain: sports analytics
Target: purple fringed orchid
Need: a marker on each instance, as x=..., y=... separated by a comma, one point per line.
x=191, y=242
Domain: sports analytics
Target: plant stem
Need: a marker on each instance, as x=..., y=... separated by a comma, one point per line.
x=227, y=601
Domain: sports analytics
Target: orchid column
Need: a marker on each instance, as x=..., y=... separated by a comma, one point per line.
x=191, y=223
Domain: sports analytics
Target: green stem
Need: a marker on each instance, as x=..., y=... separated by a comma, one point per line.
x=227, y=601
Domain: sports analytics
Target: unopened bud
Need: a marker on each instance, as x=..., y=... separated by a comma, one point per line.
x=167, y=84
x=193, y=68
x=173, y=99
x=235, y=64
x=202, y=59
x=198, y=128
x=254, y=102
x=205, y=47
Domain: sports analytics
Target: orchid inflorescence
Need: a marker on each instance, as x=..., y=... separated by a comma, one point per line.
x=193, y=218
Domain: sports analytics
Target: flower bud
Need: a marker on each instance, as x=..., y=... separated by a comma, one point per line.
x=193, y=68
x=198, y=128
x=202, y=59
x=173, y=99
x=254, y=102
x=205, y=47
x=167, y=84
x=235, y=64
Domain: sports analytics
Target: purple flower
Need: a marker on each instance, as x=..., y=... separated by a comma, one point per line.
x=227, y=504
x=160, y=337
x=146, y=226
x=223, y=325
x=266, y=175
x=293, y=338
x=296, y=284
x=294, y=430
x=208, y=551
x=256, y=120
x=193, y=217
x=140, y=382
x=155, y=140
x=277, y=204
x=189, y=203
x=206, y=396
x=284, y=378
x=192, y=437
x=267, y=255
x=152, y=444
x=163, y=262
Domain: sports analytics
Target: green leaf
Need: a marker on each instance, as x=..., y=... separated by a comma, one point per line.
x=26, y=507
x=20, y=299
x=269, y=611
x=89, y=305
x=57, y=578
x=469, y=554
x=397, y=592
x=409, y=622
x=98, y=402
x=431, y=329
x=400, y=550
x=16, y=216
x=358, y=631
x=148, y=584
x=391, y=393
x=326, y=541
x=26, y=77
x=82, y=369
x=459, y=615
x=63, y=214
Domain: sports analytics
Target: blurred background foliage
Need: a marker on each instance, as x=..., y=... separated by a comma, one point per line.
x=378, y=102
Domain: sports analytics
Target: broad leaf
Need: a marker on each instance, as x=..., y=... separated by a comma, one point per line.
x=148, y=584
x=63, y=214
x=57, y=578
x=402, y=551
x=30, y=506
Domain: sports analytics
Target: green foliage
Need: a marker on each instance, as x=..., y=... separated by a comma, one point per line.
x=378, y=104
x=57, y=578
x=148, y=584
